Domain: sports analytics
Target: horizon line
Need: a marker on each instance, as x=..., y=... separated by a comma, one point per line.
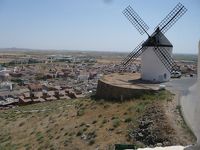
x=89, y=50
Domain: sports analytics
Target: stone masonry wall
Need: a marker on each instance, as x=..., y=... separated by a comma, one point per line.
x=110, y=92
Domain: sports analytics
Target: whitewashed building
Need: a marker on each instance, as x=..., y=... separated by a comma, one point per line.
x=152, y=69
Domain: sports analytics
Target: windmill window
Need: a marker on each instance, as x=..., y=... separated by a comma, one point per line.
x=165, y=75
x=157, y=40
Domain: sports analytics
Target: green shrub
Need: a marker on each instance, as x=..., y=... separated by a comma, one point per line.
x=116, y=123
x=91, y=142
x=140, y=107
x=128, y=119
x=21, y=124
x=27, y=146
x=104, y=120
x=39, y=136
x=79, y=133
x=100, y=116
x=84, y=129
x=80, y=112
x=93, y=122
x=114, y=118
x=82, y=124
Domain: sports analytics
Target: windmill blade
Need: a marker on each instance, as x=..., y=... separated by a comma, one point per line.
x=166, y=59
x=178, y=11
x=163, y=59
x=135, y=19
x=133, y=55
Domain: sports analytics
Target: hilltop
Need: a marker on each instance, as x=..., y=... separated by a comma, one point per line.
x=90, y=124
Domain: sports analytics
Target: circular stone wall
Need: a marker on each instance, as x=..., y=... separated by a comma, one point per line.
x=111, y=92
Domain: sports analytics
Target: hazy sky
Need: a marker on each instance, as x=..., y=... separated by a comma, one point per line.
x=92, y=24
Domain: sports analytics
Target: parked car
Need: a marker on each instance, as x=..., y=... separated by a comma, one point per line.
x=176, y=74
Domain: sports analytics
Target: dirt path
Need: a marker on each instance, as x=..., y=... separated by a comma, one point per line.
x=174, y=117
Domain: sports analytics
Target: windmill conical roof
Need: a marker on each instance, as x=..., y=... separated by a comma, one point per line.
x=157, y=39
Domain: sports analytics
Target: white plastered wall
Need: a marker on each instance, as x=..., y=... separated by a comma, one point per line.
x=152, y=69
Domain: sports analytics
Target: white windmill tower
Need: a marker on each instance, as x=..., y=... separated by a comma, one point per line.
x=157, y=63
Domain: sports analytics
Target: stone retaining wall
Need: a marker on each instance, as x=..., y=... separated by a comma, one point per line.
x=111, y=92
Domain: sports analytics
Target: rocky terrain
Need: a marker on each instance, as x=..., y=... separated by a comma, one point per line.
x=162, y=125
x=154, y=129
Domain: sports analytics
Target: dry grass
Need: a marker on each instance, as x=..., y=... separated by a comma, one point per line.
x=71, y=124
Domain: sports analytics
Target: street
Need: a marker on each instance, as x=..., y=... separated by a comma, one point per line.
x=182, y=85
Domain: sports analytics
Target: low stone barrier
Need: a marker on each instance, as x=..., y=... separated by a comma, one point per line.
x=112, y=92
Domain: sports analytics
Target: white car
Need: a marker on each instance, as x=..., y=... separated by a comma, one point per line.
x=176, y=74
x=162, y=87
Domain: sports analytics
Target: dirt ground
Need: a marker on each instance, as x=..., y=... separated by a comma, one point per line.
x=184, y=136
x=129, y=80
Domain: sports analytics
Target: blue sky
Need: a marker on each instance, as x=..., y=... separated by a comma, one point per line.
x=92, y=24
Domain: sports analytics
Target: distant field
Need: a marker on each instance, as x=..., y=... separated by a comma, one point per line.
x=187, y=57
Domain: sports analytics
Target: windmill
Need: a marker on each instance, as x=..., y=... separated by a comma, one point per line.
x=157, y=63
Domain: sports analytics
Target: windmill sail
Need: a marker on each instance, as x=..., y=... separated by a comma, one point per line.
x=135, y=19
x=178, y=11
x=133, y=55
x=166, y=59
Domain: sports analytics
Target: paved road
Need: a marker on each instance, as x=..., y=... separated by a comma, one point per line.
x=182, y=85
